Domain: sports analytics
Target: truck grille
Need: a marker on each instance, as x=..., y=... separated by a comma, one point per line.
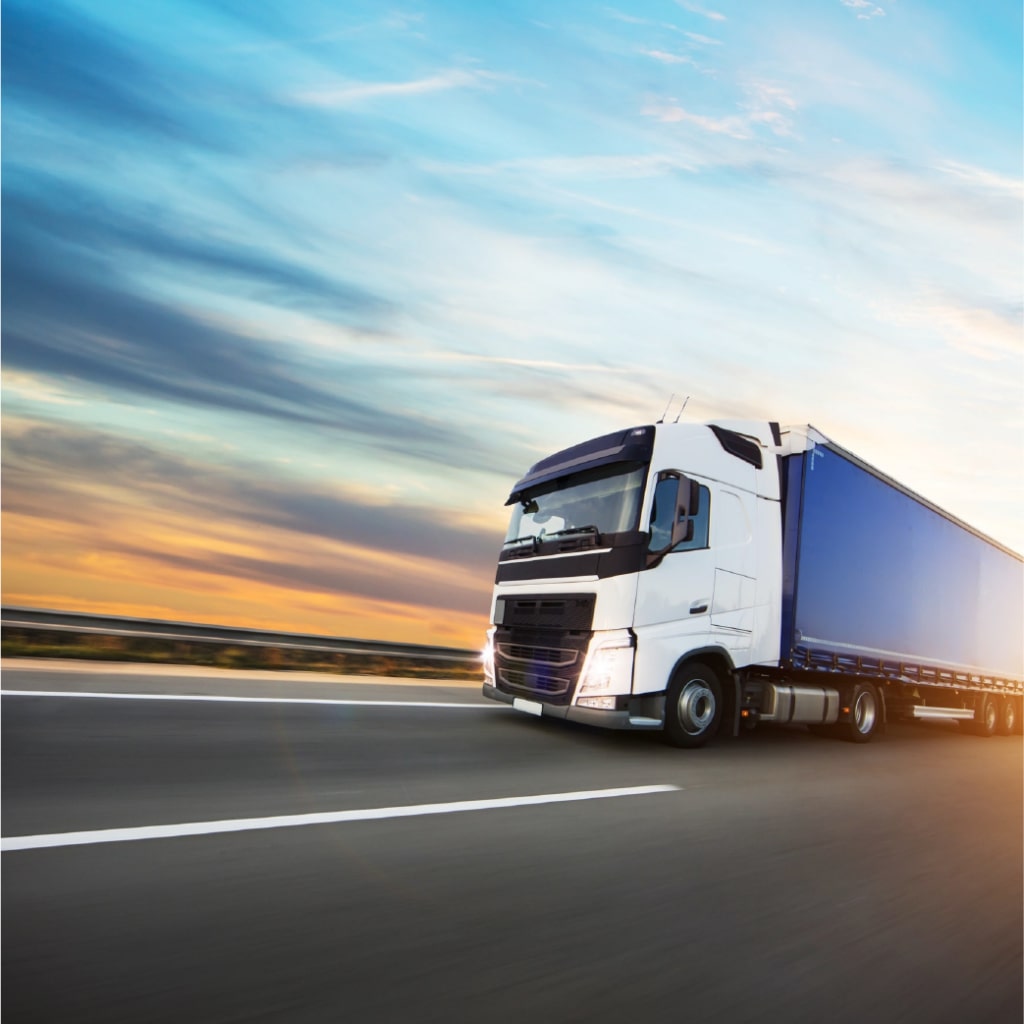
x=557, y=657
x=543, y=685
x=540, y=644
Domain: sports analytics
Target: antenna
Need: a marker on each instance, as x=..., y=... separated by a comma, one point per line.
x=680, y=413
x=667, y=404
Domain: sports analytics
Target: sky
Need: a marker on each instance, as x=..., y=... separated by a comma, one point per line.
x=294, y=292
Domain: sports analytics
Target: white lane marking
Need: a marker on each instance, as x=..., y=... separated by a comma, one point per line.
x=246, y=700
x=203, y=828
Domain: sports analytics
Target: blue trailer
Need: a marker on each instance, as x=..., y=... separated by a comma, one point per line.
x=686, y=576
x=881, y=584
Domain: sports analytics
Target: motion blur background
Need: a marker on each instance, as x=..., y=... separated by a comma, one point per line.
x=293, y=292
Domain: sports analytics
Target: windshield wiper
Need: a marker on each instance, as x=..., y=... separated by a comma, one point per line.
x=519, y=540
x=573, y=530
x=521, y=547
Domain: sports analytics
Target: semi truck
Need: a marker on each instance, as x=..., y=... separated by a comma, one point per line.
x=702, y=578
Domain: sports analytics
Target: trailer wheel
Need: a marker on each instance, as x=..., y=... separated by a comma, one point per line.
x=1007, y=717
x=986, y=715
x=693, y=706
x=865, y=715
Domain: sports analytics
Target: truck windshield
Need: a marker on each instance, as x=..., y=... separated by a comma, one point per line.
x=604, y=500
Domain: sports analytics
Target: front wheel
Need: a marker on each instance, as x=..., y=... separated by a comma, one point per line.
x=693, y=706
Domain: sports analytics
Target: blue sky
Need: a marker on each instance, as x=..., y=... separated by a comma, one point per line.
x=292, y=292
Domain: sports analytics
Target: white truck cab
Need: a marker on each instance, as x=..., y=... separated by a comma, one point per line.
x=629, y=557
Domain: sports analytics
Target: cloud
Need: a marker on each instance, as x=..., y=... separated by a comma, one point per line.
x=765, y=104
x=55, y=58
x=865, y=9
x=239, y=521
x=68, y=319
x=354, y=93
x=985, y=181
x=703, y=40
x=734, y=126
x=597, y=165
x=669, y=58
x=702, y=11
x=992, y=333
x=56, y=212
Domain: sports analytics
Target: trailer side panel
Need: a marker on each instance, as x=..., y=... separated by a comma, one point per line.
x=880, y=582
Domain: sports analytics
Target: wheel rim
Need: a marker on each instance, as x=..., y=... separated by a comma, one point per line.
x=990, y=715
x=864, y=712
x=1009, y=716
x=696, y=707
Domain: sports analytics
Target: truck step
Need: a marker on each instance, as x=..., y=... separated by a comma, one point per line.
x=923, y=711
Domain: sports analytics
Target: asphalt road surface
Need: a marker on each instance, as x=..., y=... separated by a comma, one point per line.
x=780, y=877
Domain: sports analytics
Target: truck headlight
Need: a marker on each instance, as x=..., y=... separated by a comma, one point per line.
x=609, y=667
x=487, y=657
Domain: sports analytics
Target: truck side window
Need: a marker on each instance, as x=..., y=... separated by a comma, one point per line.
x=665, y=492
x=699, y=516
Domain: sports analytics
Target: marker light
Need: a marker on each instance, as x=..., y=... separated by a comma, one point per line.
x=606, y=703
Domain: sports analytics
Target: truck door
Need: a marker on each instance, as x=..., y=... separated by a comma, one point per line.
x=675, y=591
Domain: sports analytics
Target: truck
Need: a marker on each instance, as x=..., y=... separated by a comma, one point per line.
x=702, y=578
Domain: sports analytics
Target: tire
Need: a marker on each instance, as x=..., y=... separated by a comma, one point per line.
x=693, y=706
x=865, y=715
x=986, y=715
x=1007, y=724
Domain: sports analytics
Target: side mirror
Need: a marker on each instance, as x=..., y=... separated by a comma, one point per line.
x=686, y=509
x=671, y=524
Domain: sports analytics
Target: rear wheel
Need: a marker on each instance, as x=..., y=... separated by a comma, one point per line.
x=986, y=715
x=1007, y=717
x=693, y=706
x=865, y=715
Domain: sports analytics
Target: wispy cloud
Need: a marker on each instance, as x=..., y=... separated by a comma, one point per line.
x=49, y=212
x=59, y=60
x=669, y=58
x=702, y=11
x=144, y=504
x=865, y=9
x=732, y=125
x=696, y=37
x=598, y=165
x=984, y=180
x=993, y=333
x=85, y=320
x=765, y=104
x=629, y=19
x=352, y=93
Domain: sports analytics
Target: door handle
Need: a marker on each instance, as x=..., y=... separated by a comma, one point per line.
x=699, y=607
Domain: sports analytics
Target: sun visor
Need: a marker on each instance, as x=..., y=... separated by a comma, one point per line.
x=634, y=445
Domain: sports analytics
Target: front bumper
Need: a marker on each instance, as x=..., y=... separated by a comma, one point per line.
x=649, y=715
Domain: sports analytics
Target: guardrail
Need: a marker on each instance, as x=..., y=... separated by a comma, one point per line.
x=194, y=632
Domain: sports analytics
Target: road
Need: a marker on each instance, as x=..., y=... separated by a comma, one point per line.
x=778, y=877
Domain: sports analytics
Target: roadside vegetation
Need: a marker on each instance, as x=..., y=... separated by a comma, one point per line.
x=36, y=643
